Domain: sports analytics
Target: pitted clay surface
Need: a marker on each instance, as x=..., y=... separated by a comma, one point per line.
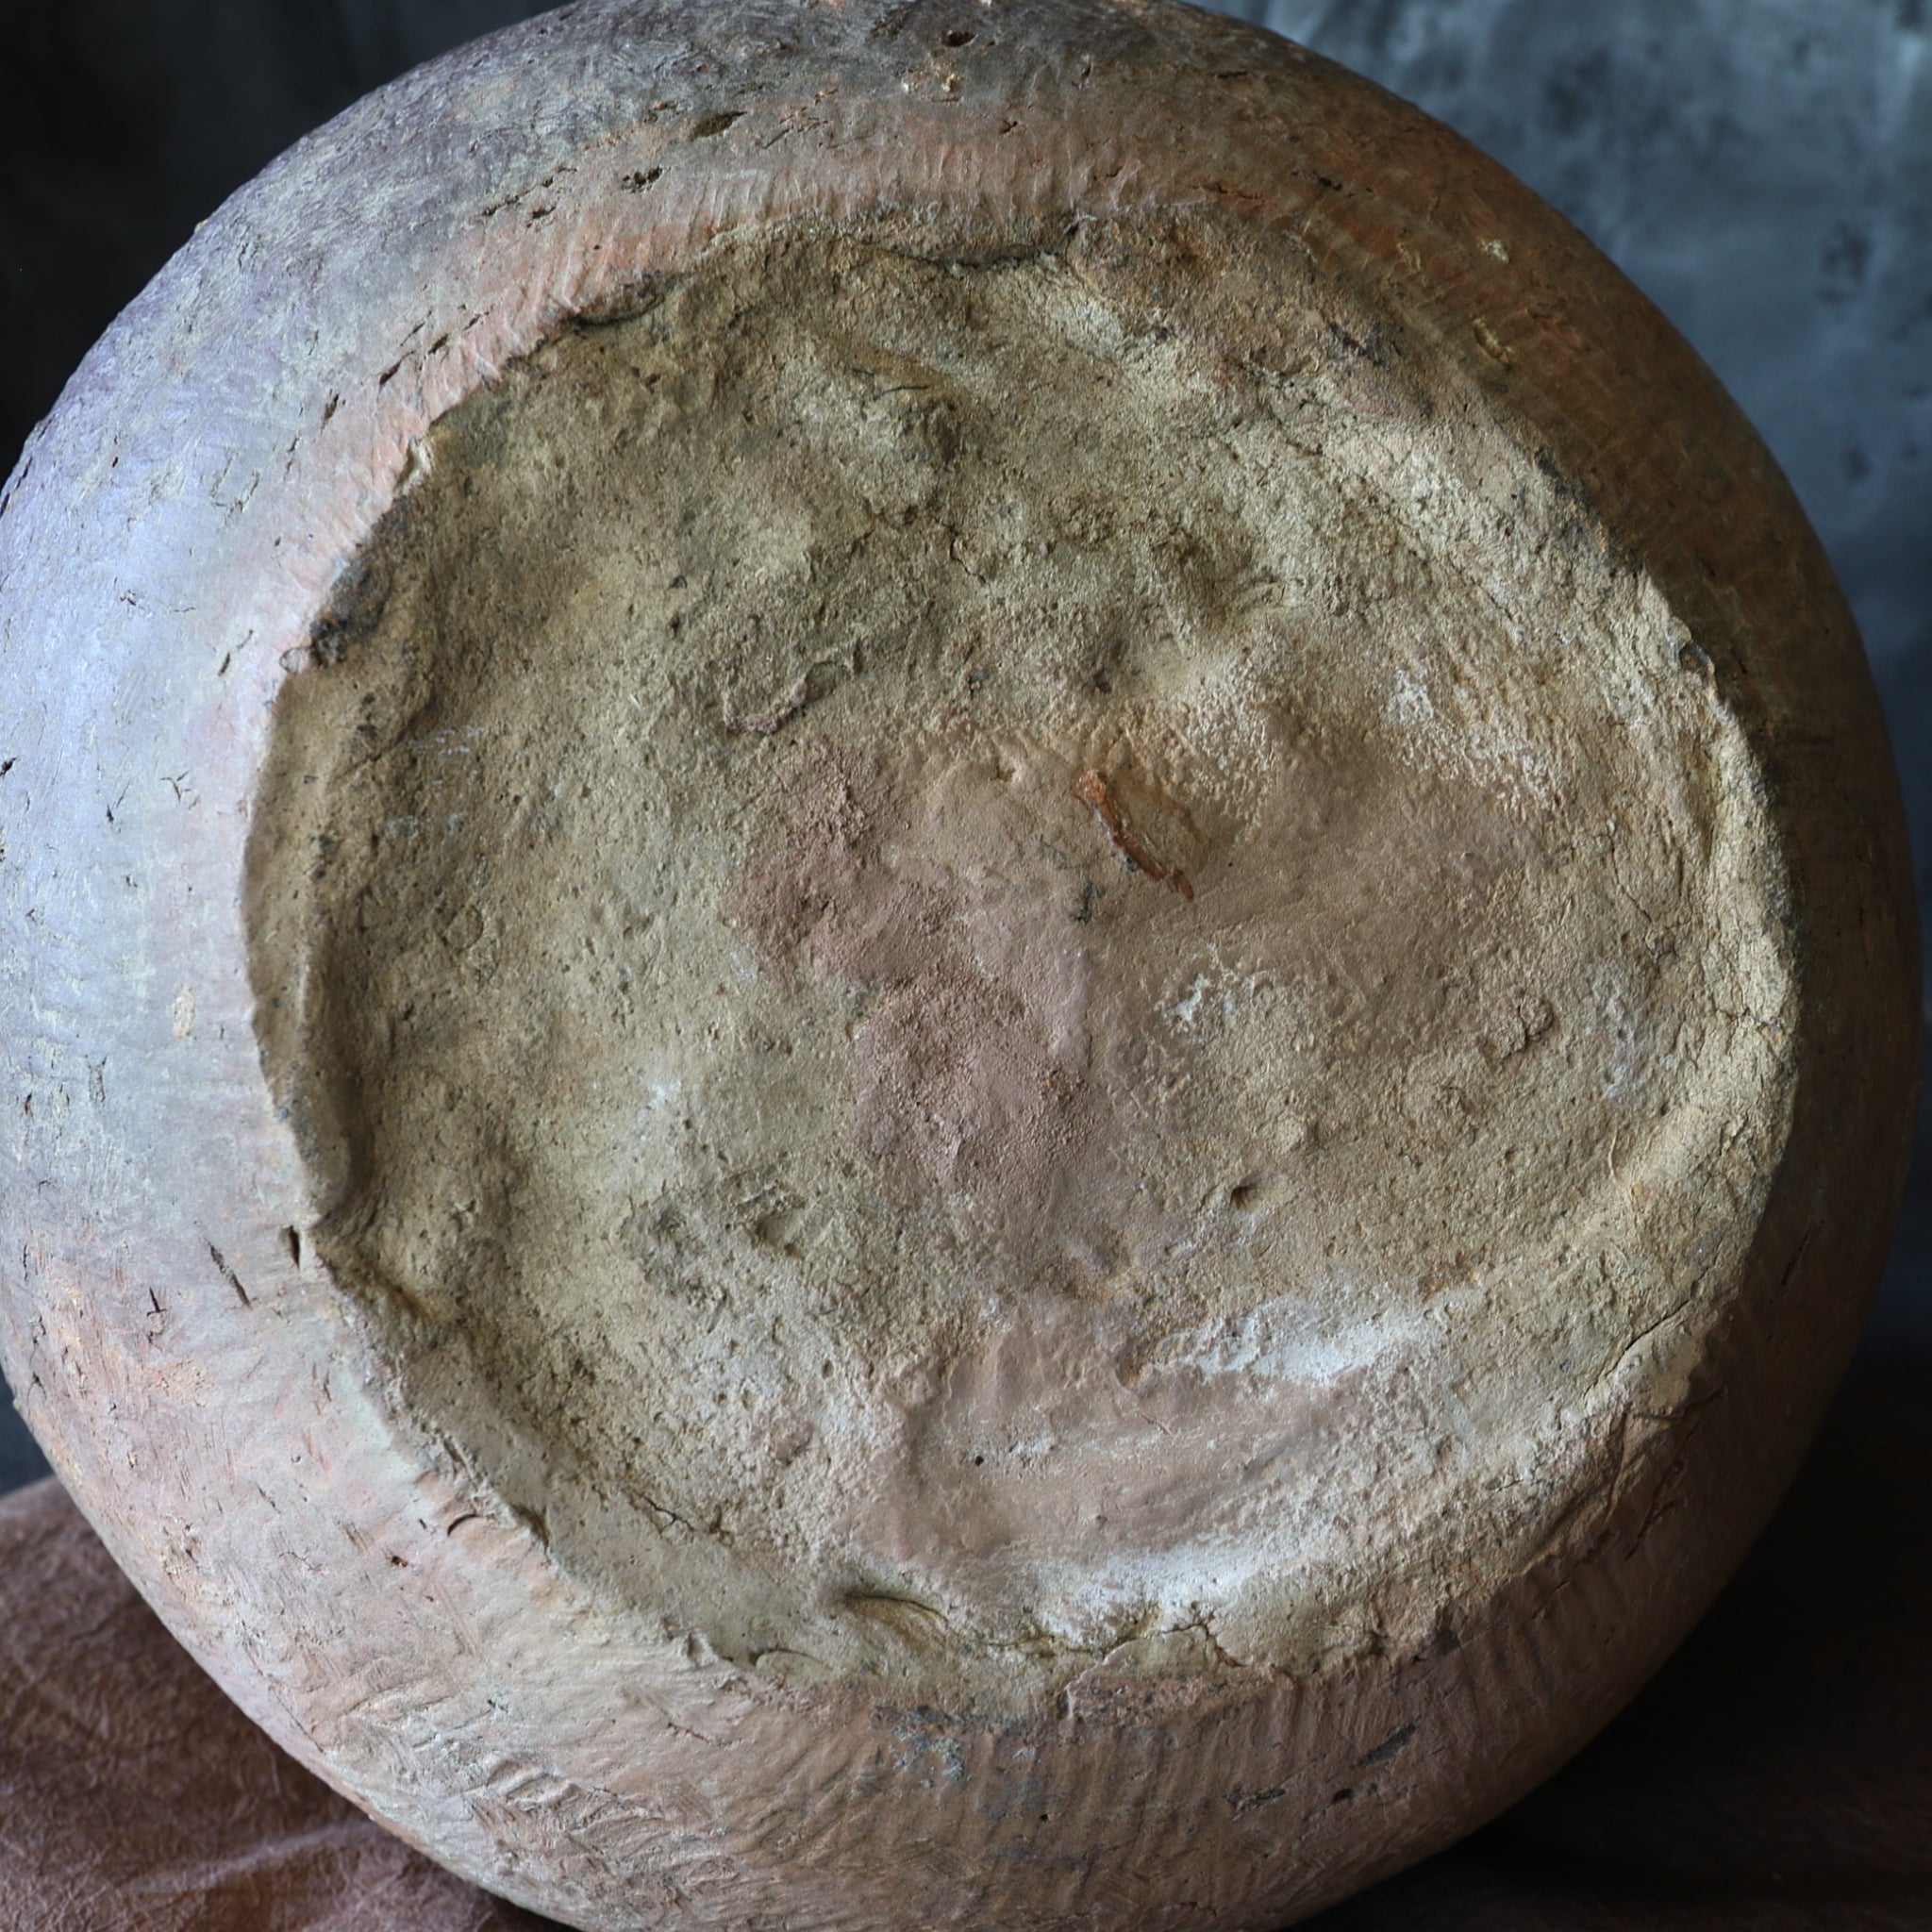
x=879, y=1208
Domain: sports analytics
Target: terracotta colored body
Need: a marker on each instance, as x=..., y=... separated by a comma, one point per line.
x=272, y=1317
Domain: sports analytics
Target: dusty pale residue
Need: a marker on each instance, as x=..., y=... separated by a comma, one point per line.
x=764, y=1077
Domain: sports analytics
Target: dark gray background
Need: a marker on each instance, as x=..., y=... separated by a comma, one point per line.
x=1763, y=168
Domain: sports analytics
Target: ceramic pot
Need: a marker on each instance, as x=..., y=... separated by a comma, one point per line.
x=960, y=968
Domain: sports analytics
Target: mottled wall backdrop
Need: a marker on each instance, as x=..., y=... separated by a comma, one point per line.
x=1762, y=167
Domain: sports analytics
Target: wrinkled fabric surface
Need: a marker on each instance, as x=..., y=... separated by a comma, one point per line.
x=1776, y=1777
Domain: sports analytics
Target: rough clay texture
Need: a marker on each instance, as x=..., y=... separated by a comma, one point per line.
x=1421, y=1198
x=814, y=1174
x=135, y=1798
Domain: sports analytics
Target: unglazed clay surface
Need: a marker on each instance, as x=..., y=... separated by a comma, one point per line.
x=800, y=1159
x=965, y=976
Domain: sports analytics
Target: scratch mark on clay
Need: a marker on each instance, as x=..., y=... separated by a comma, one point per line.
x=229, y=1274
x=1388, y=1746
x=817, y=683
x=919, y=1622
x=1094, y=790
x=1241, y=1801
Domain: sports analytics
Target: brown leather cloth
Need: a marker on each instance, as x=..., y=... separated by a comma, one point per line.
x=1777, y=1776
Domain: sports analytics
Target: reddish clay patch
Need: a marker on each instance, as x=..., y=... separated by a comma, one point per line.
x=970, y=1069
